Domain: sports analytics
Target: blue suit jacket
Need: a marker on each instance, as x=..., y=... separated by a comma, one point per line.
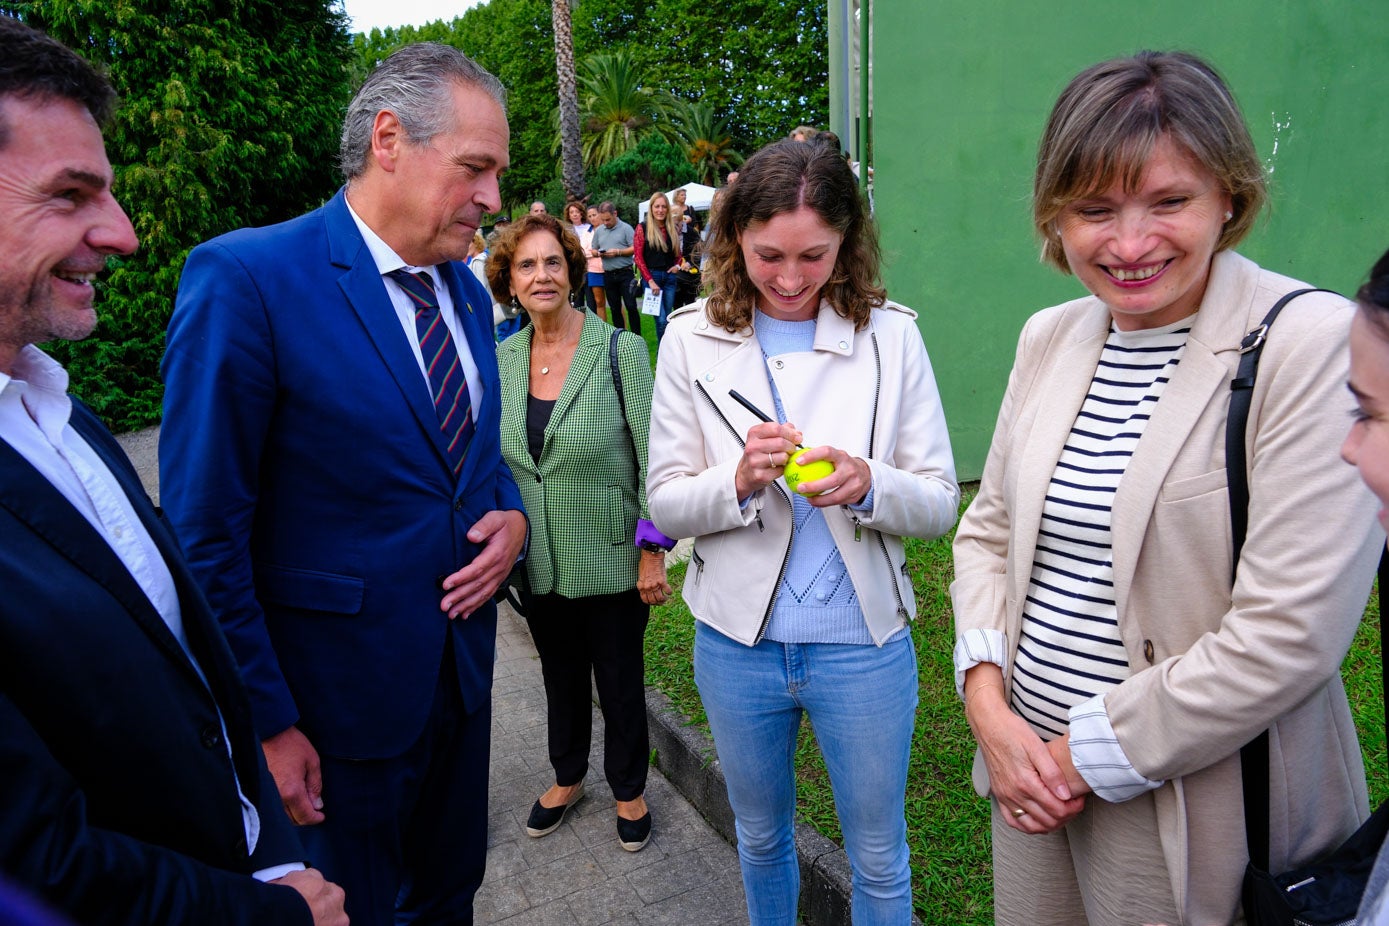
x=120, y=804
x=303, y=468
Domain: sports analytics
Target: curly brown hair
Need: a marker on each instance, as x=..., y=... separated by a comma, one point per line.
x=509, y=237
x=781, y=178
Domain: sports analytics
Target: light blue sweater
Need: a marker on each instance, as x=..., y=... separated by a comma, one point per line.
x=816, y=602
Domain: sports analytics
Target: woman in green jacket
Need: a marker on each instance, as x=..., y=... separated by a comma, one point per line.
x=595, y=564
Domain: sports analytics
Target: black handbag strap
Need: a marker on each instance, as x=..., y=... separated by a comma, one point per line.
x=1236, y=421
x=1254, y=760
x=621, y=398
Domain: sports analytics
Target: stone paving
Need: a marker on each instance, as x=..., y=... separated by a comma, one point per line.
x=578, y=875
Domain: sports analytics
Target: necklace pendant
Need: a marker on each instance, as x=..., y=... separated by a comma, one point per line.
x=544, y=371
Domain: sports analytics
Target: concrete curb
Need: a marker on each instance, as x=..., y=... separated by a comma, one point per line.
x=685, y=755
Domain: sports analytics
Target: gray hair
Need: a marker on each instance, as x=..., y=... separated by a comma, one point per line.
x=415, y=83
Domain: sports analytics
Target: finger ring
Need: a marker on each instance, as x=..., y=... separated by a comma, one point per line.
x=771, y=460
x=1019, y=813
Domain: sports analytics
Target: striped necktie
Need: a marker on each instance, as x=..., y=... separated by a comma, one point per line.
x=447, y=384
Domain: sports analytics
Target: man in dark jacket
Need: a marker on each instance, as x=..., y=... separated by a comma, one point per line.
x=134, y=787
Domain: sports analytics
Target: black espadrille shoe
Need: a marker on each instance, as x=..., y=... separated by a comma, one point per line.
x=545, y=820
x=633, y=835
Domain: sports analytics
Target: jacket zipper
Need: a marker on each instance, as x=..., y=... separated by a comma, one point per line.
x=699, y=564
x=757, y=509
x=786, y=556
x=781, y=573
x=872, y=428
x=877, y=391
x=872, y=434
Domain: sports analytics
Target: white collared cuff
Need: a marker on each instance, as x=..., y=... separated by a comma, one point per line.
x=977, y=645
x=275, y=872
x=1098, y=757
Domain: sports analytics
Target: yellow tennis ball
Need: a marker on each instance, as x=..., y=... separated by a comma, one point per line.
x=796, y=473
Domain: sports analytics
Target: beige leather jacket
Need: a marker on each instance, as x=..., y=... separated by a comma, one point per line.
x=871, y=393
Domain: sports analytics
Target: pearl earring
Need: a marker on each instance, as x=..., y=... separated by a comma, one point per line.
x=1229, y=216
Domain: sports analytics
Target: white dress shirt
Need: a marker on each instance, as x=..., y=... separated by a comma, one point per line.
x=34, y=419
x=388, y=260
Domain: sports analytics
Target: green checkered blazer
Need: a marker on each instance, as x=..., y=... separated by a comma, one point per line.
x=586, y=494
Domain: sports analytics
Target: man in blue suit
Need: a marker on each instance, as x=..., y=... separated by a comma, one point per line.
x=330, y=460
x=133, y=785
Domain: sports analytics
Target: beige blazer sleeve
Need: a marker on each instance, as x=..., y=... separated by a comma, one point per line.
x=1227, y=664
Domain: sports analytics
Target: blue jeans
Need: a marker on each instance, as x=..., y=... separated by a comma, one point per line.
x=862, y=705
x=666, y=280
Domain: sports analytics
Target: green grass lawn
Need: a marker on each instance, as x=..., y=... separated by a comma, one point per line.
x=947, y=823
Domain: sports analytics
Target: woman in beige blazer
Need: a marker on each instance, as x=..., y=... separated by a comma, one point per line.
x=1110, y=668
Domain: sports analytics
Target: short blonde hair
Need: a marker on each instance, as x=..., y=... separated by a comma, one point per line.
x=1111, y=115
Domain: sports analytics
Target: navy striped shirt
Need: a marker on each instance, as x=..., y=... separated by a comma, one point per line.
x=1070, y=648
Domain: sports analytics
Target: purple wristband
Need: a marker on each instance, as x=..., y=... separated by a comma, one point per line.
x=647, y=533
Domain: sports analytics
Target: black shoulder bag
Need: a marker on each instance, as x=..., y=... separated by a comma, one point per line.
x=1327, y=892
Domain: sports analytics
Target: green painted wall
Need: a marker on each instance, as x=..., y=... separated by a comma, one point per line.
x=962, y=89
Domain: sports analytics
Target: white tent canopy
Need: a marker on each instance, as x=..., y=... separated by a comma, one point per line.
x=697, y=196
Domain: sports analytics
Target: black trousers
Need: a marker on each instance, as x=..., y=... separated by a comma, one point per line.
x=599, y=636
x=685, y=293
x=618, y=285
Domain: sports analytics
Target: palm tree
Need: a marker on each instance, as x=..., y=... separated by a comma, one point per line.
x=705, y=138
x=617, y=110
x=571, y=155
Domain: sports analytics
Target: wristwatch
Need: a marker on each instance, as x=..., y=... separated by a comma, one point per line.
x=651, y=546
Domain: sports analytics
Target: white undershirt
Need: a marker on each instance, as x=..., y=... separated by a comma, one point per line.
x=387, y=260
x=34, y=420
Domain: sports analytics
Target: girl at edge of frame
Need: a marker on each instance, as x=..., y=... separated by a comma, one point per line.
x=1367, y=449
x=802, y=599
x=1109, y=667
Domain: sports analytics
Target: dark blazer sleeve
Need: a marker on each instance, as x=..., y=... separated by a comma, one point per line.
x=99, y=876
x=279, y=842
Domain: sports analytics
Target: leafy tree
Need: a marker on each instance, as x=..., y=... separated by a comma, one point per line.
x=763, y=65
x=572, y=160
x=229, y=116
x=618, y=110
x=706, y=141
x=513, y=40
x=654, y=164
